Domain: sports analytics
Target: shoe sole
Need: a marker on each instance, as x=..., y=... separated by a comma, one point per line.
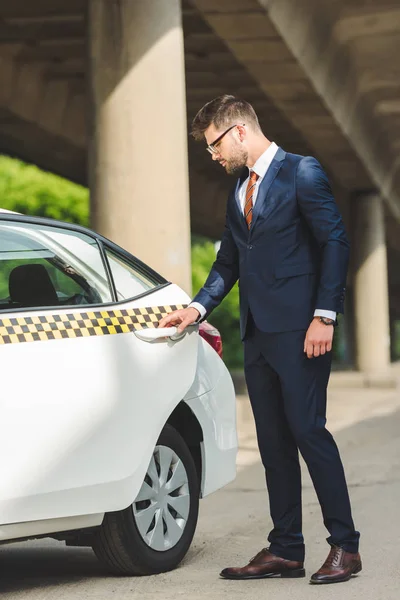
x=294, y=573
x=341, y=580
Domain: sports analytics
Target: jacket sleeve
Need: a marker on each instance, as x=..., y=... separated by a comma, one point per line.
x=223, y=275
x=319, y=209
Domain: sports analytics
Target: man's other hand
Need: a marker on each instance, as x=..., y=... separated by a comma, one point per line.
x=181, y=318
x=318, y=339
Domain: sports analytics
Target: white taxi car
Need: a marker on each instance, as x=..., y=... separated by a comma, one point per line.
x=111, y=428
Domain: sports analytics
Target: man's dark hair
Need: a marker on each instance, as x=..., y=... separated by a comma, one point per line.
x=222, y=112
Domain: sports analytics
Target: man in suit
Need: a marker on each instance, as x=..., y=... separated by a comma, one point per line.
x=285, y=241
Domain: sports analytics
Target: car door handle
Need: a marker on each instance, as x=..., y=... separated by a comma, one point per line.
x=150, y=334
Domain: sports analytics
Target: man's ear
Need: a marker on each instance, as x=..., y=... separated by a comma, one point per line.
x=241, y=129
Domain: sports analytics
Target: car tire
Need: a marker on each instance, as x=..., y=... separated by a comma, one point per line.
x=119, y=543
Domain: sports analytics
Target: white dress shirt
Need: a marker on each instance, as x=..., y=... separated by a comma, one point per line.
x=261, y=167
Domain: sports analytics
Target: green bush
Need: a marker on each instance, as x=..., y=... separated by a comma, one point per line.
x=26, y=189
x=226, y=316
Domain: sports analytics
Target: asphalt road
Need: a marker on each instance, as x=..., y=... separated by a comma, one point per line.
x=234, y=523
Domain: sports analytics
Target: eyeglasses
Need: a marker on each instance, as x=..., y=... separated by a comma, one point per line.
x=212, y=148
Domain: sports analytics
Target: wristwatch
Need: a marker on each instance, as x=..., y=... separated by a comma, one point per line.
x=327, y=321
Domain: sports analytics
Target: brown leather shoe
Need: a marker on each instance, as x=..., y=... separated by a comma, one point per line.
x=265, y=564
x=339, y=566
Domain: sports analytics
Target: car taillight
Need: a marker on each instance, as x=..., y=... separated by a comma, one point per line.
x=212, y=336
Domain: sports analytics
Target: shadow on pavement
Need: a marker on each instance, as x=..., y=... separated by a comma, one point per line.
x=43, y=563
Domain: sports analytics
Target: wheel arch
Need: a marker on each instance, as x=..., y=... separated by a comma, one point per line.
x=185, y=422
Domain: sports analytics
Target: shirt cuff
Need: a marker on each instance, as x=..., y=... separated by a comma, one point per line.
x=200, y=308
x=329, y=314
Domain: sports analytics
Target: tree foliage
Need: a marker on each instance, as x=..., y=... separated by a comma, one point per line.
x=27, y=189
x=226, y=316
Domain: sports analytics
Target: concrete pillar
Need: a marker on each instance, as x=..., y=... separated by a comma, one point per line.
x=393, y=338
x=344, y=334
x=371, y=290
x=138, y=138
x=347, y=325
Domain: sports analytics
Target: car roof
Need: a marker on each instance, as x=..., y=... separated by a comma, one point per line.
x=4, y=210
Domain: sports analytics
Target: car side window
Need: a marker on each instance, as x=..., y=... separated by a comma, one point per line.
x=129, y=280
x=44, y=266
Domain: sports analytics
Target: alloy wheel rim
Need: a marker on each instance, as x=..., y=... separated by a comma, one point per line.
x=161, y=509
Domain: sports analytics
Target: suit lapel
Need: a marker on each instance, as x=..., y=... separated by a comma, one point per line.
x=265, y=185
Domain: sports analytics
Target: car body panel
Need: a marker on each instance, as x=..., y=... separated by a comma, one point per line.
x=212, y=400
x=83, y=445
x=32, y=529
x=81, y=415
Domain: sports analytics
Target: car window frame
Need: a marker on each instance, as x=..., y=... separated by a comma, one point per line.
x=135, y=264
x=102, y=243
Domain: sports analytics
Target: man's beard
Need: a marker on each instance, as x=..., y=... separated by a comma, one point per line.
x=237, y=162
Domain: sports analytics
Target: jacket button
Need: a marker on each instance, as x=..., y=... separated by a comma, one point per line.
x=250, y=247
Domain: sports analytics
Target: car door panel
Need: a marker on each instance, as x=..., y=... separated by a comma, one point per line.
x=81, y=414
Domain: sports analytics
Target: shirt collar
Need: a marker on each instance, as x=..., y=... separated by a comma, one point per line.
x=263, y=162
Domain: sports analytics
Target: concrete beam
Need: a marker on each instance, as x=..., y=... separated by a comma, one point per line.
x=333, y=47
x=30, y=95
x=31, y=143
x=41, y=10
x=255, y=42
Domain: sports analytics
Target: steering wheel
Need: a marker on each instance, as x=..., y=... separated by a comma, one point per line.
x=78, y=299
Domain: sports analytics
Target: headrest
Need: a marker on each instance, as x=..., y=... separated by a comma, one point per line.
x=30, y=285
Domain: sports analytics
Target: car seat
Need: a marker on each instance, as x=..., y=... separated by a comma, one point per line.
x=31, y=286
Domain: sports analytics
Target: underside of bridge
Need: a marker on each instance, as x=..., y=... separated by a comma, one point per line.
x=322, y=75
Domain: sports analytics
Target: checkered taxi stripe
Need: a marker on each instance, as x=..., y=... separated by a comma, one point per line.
x=84, y=324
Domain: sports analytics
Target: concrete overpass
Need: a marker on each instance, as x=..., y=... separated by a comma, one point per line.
x=100, y=91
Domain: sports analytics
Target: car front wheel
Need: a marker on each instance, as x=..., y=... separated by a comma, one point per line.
x=155, y=532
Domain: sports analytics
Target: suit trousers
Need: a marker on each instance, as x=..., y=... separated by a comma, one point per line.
x=288, y=392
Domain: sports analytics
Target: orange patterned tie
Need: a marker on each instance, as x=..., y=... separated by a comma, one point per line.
x=248, y=205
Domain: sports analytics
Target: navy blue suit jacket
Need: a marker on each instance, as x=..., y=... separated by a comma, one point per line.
x=293, y=260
